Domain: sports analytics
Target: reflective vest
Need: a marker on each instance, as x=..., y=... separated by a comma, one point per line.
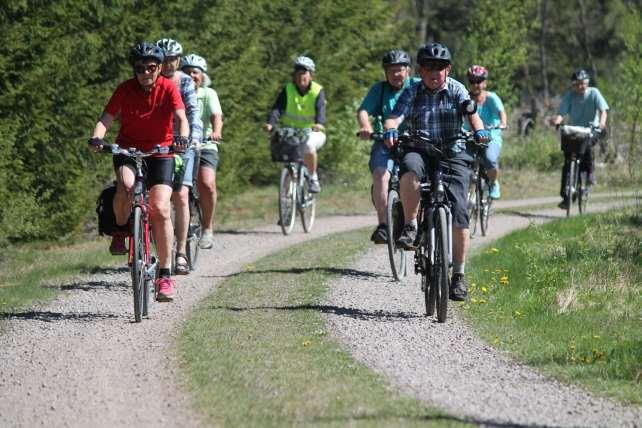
x=300, y=110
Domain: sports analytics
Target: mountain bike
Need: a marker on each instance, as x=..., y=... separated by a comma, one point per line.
x=575, y=141
x=143, y=265
x=479, y=200
x=294, y=194
x=433, y=250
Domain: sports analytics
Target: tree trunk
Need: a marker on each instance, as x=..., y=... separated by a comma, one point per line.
x=543, y=12
x=422, y=20
x=585, y=42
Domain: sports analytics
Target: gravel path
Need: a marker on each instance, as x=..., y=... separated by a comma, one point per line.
x=80, y=361
x=446, y=365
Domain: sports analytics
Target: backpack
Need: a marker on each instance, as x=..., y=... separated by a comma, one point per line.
x=105, y=211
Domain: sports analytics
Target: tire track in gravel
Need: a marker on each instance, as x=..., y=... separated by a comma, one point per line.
x=80, y=361
x=447, y=365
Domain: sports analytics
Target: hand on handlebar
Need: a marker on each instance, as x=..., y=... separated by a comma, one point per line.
x=364, y=133
x=180, y=143
x=96, y=144
x=481, y=136
x=390, y=137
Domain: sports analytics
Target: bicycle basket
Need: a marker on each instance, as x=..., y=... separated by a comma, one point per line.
x=575, y=139
x=285, y=145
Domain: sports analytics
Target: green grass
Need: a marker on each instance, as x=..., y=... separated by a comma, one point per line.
x=257, y=352
x=565, y=297
x=28, y=272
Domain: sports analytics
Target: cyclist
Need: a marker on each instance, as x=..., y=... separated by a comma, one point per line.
x=301, y=104
x=145, y=107
x=586, y=107
x=437, y=105
x=183, y=181
x=491, y=111
x=209, y=108
x=379, y=102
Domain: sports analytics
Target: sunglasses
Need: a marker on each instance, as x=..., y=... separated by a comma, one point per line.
x=142, y=69
x=476, y=81
x=434, y=65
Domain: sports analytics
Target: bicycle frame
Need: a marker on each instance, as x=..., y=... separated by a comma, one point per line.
x=140, y=201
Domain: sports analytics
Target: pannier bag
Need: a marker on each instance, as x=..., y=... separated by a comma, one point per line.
x=105, y=211
x=286, y=145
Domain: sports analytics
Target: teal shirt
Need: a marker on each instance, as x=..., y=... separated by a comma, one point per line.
x=381, y=104
x=583, y=109
x=489, y=113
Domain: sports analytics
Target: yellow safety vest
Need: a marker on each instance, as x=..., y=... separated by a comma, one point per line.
x=300, y=110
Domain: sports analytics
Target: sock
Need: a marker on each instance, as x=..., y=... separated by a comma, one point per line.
x=458, y=267
x=414, y=222
x=164, y=273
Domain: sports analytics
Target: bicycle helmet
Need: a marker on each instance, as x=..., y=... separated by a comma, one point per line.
x=193, y=60
x=477, y=73
x=146, y=50
x=580, y=74
x=433, y=52
x=394, y=57
x=304, y=62
x=170, y=47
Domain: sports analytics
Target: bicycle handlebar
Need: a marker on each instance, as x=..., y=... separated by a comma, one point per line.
x=115, y=149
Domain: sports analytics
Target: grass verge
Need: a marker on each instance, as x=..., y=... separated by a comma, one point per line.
x=257, y=353
x=565, y=298
x=28, y=271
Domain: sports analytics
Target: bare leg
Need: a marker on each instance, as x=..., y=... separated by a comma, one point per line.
x=492, y=174
x=461, y=243
x=208, y=194
x=380, y=177
x=310, y=161
x=181, y=206
x=159, y=197
x=409, y=187
x=124, y=193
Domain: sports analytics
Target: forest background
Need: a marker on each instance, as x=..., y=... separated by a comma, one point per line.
x=61, y=60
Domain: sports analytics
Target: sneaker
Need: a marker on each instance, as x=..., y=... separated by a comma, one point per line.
x=591, y=180
x=164, y=289
x=314, y=186
x=458, y=288
x=118, y=246
x=380, y=234
x=563, y=205
x=207, y=240
x=495, y=192
x=407, y=237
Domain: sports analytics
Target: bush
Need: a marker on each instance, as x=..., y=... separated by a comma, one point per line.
x=539, y=151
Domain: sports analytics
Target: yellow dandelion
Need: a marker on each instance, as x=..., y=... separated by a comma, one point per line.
x=503, y=280
x=595, y=336
x=494, y=250
x=482, y=301
x=484, y=290
x=307, y=343
x=518, y=313
x=473, y=300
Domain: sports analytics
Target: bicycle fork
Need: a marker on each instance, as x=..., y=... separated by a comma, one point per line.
x=432, y=236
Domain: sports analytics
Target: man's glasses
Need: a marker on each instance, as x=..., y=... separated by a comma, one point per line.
x=142, y=69
x=434, y=65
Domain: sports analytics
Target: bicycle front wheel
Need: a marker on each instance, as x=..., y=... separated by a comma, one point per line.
x=570, y=181
x=582, y=198
x=473, y=207
x=441, y=265
x=485, y=202
x=307, y=204
x=138, y=263
x=195, y=230
x=395, y=221
x=287, y=201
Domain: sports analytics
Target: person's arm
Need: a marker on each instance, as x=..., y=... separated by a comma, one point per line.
x=565, y=107
x=365, y=128
x=216, y=120
x=503, y=119
x=191, y=110
x=103, y=125
x=603, y=114
x=319, y=116
x=183, y=123
x=277, y=110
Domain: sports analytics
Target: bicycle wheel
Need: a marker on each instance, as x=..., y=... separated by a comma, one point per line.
x=583, y=190
x=473, y=207
x=195, y=230
x=485, y=202
x=569, y=187
x=138, y=263
x=395, y=221
x=441, y=265
x=307, y=203
x=287, y=200
x=431, y=293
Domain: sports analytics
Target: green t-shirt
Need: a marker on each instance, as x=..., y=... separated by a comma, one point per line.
x=208, y=105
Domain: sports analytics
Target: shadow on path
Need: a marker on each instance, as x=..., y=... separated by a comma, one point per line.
x=95, y=285
x=533, y=215
x=106, y=270
x=48, y=316
x=246, y=232
x=354, y=273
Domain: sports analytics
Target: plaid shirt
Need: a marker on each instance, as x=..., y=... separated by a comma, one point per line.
x=438, y=113
x=188, y=94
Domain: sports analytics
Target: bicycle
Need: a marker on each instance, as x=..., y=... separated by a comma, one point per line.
x=576, y=140
x=294, y=194
x=143, y=265
x=433, y=249
x=479, y=200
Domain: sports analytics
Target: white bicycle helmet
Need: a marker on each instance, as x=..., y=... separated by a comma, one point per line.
x=193, y=60
x=304, y=62
x=170, y=47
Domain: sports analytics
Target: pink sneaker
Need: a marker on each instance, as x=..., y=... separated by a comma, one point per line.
x=117, y=246
x=164, y=289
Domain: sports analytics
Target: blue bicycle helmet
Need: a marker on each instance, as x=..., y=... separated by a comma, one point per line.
x=146, y=50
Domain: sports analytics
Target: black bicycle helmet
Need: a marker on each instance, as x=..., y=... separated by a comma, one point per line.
x=433, y=52
x=580, y=74
x=395, y=57
x=146, y=50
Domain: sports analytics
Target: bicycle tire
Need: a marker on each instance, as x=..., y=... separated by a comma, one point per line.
x=569, y=188
x=485, y=202
x=138, y=263
x=307, y=203
x=473, y=208
x=194, y=231
x=430, y=292
x=441, y=265
x=582, y=197
x=395, y=221
x=287, y=201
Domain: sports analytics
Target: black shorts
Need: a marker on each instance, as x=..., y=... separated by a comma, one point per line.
x=456, y=176
x=157, y=170
x=209, y=158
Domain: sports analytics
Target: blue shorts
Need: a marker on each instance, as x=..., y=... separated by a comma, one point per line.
x=380, y=157
x=491, y=155
x=188, y=162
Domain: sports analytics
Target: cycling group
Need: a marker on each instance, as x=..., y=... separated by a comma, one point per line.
x=163, y=107
x=438, y=109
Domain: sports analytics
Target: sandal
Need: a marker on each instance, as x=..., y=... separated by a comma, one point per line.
x=181, y=265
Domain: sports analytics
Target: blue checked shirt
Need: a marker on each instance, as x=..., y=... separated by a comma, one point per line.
x=437, y=113
x=188, y=94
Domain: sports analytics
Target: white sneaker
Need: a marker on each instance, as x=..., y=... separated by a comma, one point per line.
x=207, y=240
